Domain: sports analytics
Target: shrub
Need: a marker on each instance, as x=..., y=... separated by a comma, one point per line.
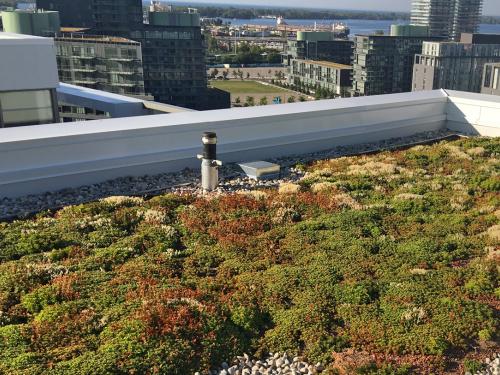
x=472, y=365
x=35, y=301
x=485, y=335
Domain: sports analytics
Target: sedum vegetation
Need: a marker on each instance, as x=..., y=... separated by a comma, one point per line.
x=382, y=264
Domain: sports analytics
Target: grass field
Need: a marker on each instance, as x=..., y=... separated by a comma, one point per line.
x=245, y=87
x=241, y=90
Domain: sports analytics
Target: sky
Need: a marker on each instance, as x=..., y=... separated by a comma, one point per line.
x=491, y=7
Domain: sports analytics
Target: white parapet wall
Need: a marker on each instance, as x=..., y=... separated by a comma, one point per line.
x=43, y=158
x=27, y=63
x=474, y=114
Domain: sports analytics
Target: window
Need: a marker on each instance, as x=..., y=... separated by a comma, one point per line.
x=77, y=51
x=111, y=52
x=26, y=108
x=495, y=78
x=487, y=76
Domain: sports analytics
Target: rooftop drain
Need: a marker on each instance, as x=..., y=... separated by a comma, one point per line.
x=261, y=170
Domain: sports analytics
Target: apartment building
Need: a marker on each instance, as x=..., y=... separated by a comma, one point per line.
x=383, y=64
x=447, y=18
x=455, y=65
x=319, y=45
x=336, y=78
x=106, y=63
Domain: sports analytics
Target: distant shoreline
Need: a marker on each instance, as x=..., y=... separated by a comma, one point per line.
x=254, y=11
x=216, y=10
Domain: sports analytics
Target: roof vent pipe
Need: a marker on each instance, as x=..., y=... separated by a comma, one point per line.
x=209, y=163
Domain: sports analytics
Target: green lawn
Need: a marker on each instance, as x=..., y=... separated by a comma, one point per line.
x=245, y=87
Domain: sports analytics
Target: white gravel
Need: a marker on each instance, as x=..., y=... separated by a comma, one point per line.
x=492, y=366
x=232, y=179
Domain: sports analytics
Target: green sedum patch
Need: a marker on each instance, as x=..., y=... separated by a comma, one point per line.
x=393, y=254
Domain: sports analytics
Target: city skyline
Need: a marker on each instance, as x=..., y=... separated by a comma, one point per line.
x=491, y=7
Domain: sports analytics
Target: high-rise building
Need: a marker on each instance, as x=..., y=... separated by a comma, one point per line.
x=491, y=79
x=383, y=64
x=72, y=13
x=174, y=59
x=447, y=18
x=106, y=17
x=455, y=65
x=173, y=47
x=106, y=63
x=466, y=17
x=28, y=81
x=319, y=45
x=409, y=30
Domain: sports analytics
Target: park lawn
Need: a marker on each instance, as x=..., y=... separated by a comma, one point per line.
x=245, y=87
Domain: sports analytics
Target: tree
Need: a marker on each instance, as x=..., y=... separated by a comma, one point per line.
x=212, y=44
x=227, y=59
x=263, y=100
x=245, y=58
x=224, y=74
x=240, y=74
x=248, y=75
x=244, y=47
x=214, y=73
x=291, y=99
x=274, y=58
x=235, y=74
x=319, y=92
x=250, y=101
x=237, y=100
x=279, y=75
x=302, y=98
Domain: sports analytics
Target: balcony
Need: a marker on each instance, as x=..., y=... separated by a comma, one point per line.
x=50, y=157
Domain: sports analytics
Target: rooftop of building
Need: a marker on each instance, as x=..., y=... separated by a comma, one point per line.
x=102, y=96
x=471, y=39
x=327, y=64
x=30, y=11
x=66, y=29
x=357, y=242
x=115, y=104
x=76, y=36
x=385, y=36
x=23, y=39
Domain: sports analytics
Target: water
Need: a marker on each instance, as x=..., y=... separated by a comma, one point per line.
x=356, y=26
x=25, y=6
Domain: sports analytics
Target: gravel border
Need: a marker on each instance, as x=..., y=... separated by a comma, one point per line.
x=492, y=366
x=187, y=181
x=273, y=364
